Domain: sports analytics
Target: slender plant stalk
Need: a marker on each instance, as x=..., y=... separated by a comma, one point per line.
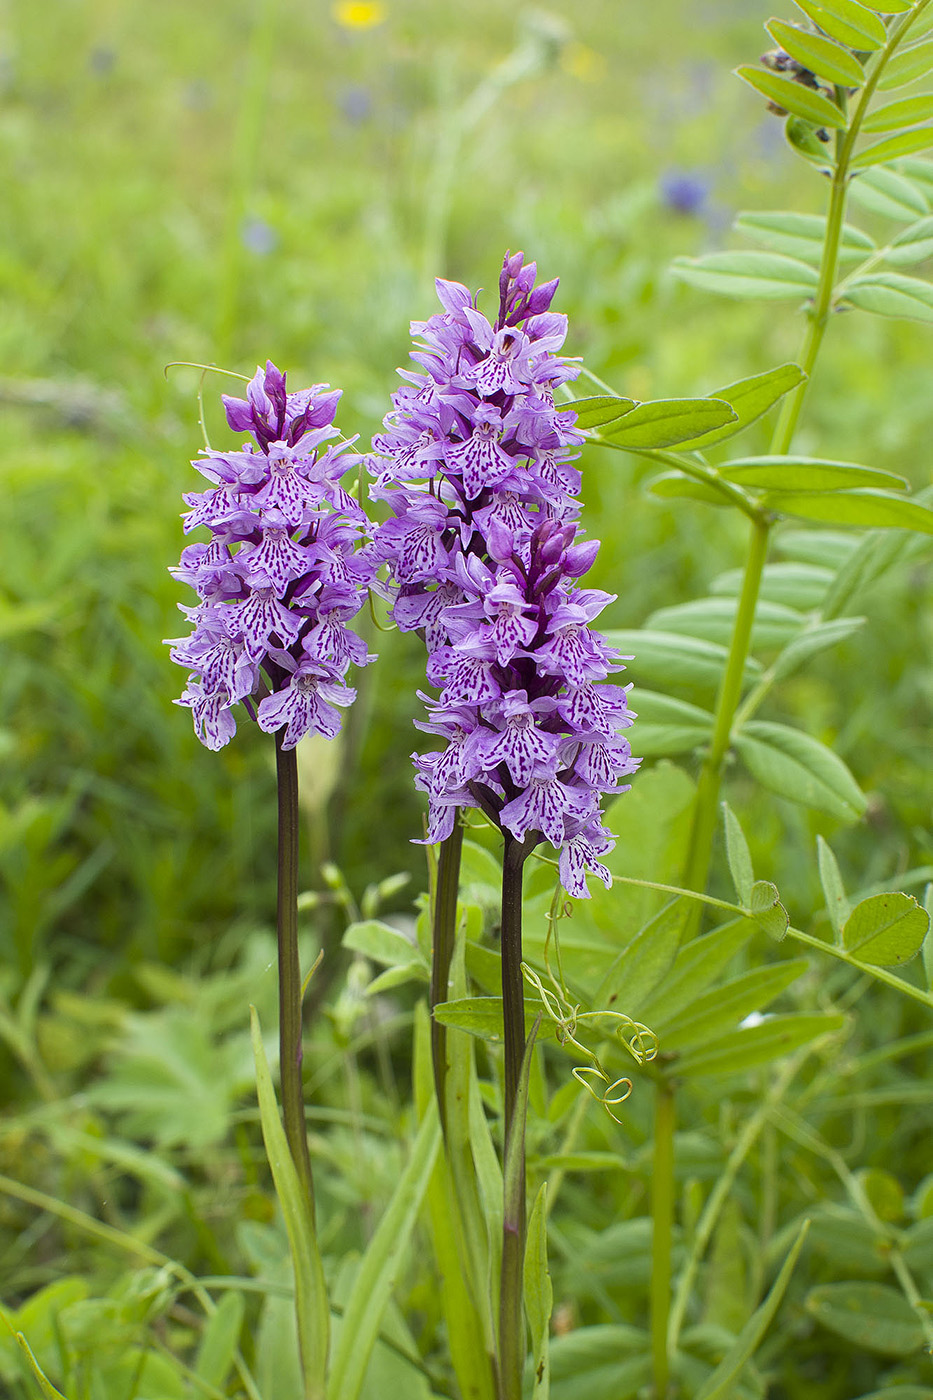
x=444, y=937
x=662, y=1232
x=290, y=991
x=511, y=1325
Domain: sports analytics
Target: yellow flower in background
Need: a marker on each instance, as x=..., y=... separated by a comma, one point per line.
x=359, y=14
x=582, y=62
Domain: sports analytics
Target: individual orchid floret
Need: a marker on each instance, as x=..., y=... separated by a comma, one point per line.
x=286, y=569
x=485, y=554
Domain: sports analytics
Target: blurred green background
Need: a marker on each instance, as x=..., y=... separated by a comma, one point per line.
x=225, y=183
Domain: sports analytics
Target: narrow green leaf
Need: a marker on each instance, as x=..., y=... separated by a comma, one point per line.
x=862, y=507
x=886, y=930
x=721, y=1383
x=892, y=294
x=593, y=412
x=801, y=586
x=219, y=1340
x=696, y=966
x=816, y=637
x=727, y=1004
x=49, y=1391
x=927, y=949
x=676, y=485
x=793, y=473
x=713, y=619
x=889, y=193
x=312, y=1308
x=482, y=1016
x=767, y=276
x=803, y=102
x=669, y=422
x=671, y=659
x=801, y=236
x=767, y=910
x=876, y=553
x=744, y=1049
x=819, y=54
x=638, y=968
x=539, y=1295
x=375, y=1278
x=907, y=66
x=812, y=142
x=907, y=111
x=797, y=766
x=669, y=725
x=738, y=856
x=834, y=891
x=918, y=139
x=873, y=1316
x=912, y=245
x=846, y=20
x=750, y=399
x=382, y=943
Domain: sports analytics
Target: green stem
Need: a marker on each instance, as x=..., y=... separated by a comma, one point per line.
x=705, y=812
x=290, y=990
x=444, y=935
x=511, y=1326
x=662, y=1233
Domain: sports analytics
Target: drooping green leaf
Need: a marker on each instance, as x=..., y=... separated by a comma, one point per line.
x=669, y=658
x=769, y=276
x=872, y=1316
x=837, y=905
x=669, y=422
x=801, y=101
x=738, y=855
x=800, y=586
x=598, y=410
x=604, y=1362
x=904, y=144
x=894, y=116
x=794, y=765
x=889, y=193
x=912, y=245
x=848, y=21
x=886, y=930
x=874, y=509
x=750, y=399
x=375, y=1278
x=719, y=1384
x=539, y=1294
x=767, y=910
x=713, y=619
x=823, y=57
x=769, y=1040
x=801, y=236
x=49, y=1391
x=727, y=1004
x=794, y=473
x=677, y=485
x=907, y=66
x=817, y=637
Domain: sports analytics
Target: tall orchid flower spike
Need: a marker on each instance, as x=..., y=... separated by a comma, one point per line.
x=284, y=572
x=485, y=556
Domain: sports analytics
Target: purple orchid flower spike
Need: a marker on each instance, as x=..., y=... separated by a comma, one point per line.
x=286, y=569
x=485, y=554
